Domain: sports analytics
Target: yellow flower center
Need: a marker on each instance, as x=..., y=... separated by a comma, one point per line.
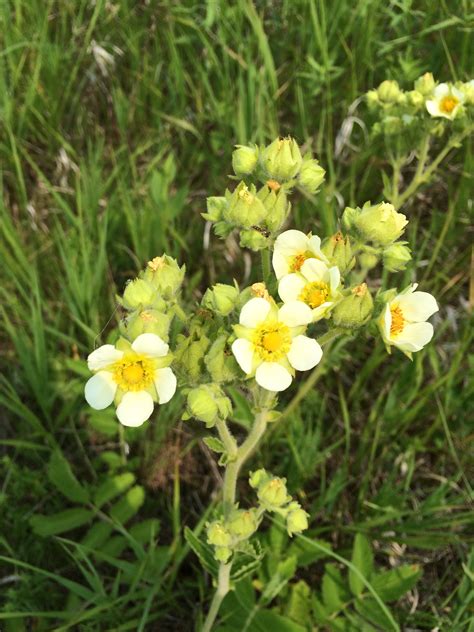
x=398, y=321
x=315, y=293
x=272, y=341
x=134, y=372
x=448, y=103
x=297, y=260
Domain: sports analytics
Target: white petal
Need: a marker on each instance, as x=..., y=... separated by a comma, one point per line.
x=150, y=344
x=135, y=408
x=314, y=270
x=414, y=337
x=254, y=312
x=322, y=310
x=334, y=278
x=280, y=264
x=290, y=287
x=243, y=352
x=441, y=90
x=386, y=322
x=100, y=390
x=314, y=246
x=273, y=376
x=433, y=108
x=295, y=314
x=418, y=306
x=103, y=357
x=305, y=353
x=460, y=96
x=165, y=384
x=291, y=242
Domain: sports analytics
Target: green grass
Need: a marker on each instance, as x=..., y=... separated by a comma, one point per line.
x=101, y=172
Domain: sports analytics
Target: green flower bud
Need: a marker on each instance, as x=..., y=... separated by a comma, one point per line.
x=221, y=298
x=138, y=293
x=149, y=321
x=253, y=240
x=272, y=493
x=218, y=535
x=392, y=125
x=244, y=159
x=416, y=99
x=164, y=274
x=396, y=256
x=281, y=160
x=276, y=205
x=189, y=353
x=296, y=520
x=380, y=223
x=425, y=84
x=244, y=208
x=372, y=98
x=388, y=91
x=354, y=310
x=257, y=478
x=242, y=523
x=311, y=175
x=468, y=90
x=368, y=260
x=222, y=554
x=208, y=402
x=215, y=208
x=338, y=250
x=220, y=361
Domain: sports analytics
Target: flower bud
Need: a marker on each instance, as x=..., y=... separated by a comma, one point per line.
x=215, y=208
x=221, y=298
x=149, y=321
x=244, y=208
x=296, y=519
x=220, y=362
x=242, y=523
x=207, y=402
x=276, y=205
x=380, y=223
x=372, y=98
x=467, y=89
x=311, y=175
x=253, y=240
x=222, y=554
x=189, y=353
x=396, y=256
x=258, y=477
x=164, y=274
x=337, y=249
x=273, y=492
x=392, y=125
x=354, y=310
x=416, y=99
x=282, y=159
x=425, y=84
x=368, y=260
x=138, y=293
x=244, y=159
x=388, y=91
x=218, y=535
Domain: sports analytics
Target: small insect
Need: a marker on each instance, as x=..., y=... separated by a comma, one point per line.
x=261, y=230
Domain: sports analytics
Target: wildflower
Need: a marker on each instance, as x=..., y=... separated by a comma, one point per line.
x=244, y=208
x=297, y=519
x=355, y=309
x=388, y=91
x=396, y=256
x=425, y=84
x=244, y=159
x=292, y=248
x=446, y=101
x=311, y=175
x=281, y=160
x=134, y=376
x=380, y=223
x=221, y=298
x=315, y=284
x=403, y=323
x=270, y=344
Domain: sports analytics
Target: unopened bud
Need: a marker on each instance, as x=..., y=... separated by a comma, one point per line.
x=148, y=321
x=242, y=523
x=415, y=98
x=244, y=208
x=273, y=492
x=311, y=175
x=244, y=160
x=258, y=477
x=388, y=91
x=221, y=298
x=208, y=402
x=276, y=205
x=425, y=84
x=282, y=159
x=138, y=293
x=380, y=224
x=354, y=310
x=253, y=240
x=396, y=256
x=296, y=520
x=372, y=98
x=338, y=250
x=215, y=208
x=218, y=535
x=164, y=274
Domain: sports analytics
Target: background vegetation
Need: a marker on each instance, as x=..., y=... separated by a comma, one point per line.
x=106, y=159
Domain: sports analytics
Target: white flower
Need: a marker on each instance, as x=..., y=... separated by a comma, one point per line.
x=446, y=101
x=402, y=322
x=315, y=284
x=292, y=248
x=135, y=377
x=271, y=344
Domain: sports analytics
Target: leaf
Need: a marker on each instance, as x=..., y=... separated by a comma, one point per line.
x=371, y=610
x=97, y=535
x=112, y=487
x=215, y=444
x=129, y=505
x=393, y=584
x=306, y=552
x=299, y=603
x=60, y=522
x=245, y=563
x=284, y=572
x=334, y=591
x=202, y=550
x=362, y=559
x=62, y=477
x=266, y=620
x=146, y=531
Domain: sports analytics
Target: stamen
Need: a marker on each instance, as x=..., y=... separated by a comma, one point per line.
x=315, y=293
x=272, y=341
x=398, y=321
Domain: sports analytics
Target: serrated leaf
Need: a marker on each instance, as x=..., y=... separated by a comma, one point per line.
x=203, y=551
x=215, y=444
x=299, y=603
x=128, y=506
x=245, y=563
x=333, y=589
x=363, y=560
x=62, y=477
x=60, y=522
x=112, y=487
x=393, y=584
x=284, y=572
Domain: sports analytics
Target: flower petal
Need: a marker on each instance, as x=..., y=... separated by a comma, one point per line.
x=417, y=307
x=103, y=357
x=150, y=344
x=254, y=312
x=414, y=337
x=273, y=376
x=433, y=108
x=314, y=270
x=243, y=351
x=280, y=264
x=334, y=278
x=165, y=384
x=290, y=287
x=100, y=390
x=295, y=314
x=291, y=242
x=441, y=90
x=305, y=353
x=314, y=246
x=135, y=408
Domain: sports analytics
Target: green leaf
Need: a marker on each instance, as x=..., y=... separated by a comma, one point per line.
x=129, y=505
x=334, y=590
x=146, y=531
x=112, y=487
x=393, y=584
x=363, y=560
x=203, y=551
x=269, y=620
x=97, y=535
x=62, y=477
x=246, y=562
x=215, y=444
x=284, y=572
x=371, y=610
x=60, y=522
x=299, y=603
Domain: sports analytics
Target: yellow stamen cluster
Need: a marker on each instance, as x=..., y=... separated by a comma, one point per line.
x=448, y=104
x=156, y=264
x=260, y=290
x=272, y=341
x=297, y=260
x=315, y=293
x=134, y=372
x=398, y=321
x=273, y=185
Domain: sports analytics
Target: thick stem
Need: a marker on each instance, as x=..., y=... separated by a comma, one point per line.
x=223, y=585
